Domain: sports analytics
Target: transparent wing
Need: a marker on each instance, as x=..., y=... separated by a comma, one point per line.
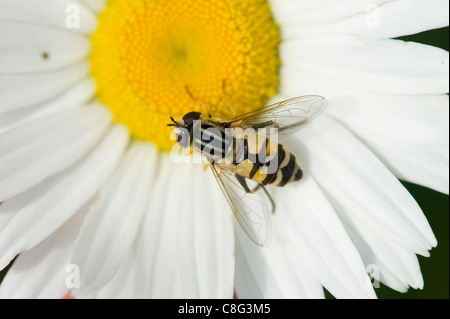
x=252, y=210
x=287, y=116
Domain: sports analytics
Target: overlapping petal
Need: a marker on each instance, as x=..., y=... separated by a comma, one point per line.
x=53, y=14
x=114, y=220
x=409, y=131
x=44, y=270
x=375, y=209
x=157, y=268
x=47, y=146
x=31, y=216
x=205, y=239
x=374, y=19
x=150, y=234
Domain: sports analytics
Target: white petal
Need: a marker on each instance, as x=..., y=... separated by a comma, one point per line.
x=421, y=119
x=423, y=164
x=391, y=264
x=38, y=49
x=121, y=286
x=157, y=270
x=362, y=190
x=382, y=19
x=319, y=240
x=297, y=280
x=409, y=133
x=245, y=284
x=277, y=271
x=41, y=148
x=205, y=240
x=113, y=223
x=379, y=65
x=42, y=271
x=268, y=283
x=25, y=90
x=362, y=168
x=317, y=12
x=80, y=94
x=272, y=270
x=96, y=5
x=28, y=218
x=60, y=14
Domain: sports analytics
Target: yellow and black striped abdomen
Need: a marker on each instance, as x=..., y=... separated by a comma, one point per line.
x=268, y=163
x=288, y=169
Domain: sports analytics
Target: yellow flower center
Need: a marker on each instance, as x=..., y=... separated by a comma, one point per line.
x=152, y=59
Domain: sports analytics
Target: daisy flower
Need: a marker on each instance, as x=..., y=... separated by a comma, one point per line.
x=92, y=203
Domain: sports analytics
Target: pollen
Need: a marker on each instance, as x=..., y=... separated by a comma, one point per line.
x=153, y=59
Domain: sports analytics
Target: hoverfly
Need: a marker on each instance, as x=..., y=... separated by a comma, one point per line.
x=255, y=160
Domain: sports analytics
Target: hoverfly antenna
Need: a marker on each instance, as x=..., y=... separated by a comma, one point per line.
x=174, y=122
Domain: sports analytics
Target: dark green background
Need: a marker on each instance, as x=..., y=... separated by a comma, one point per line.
x=436, y=208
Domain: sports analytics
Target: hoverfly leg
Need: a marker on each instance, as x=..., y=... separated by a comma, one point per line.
x=233, y=114
x=244, y=185
x=206, y=106
x=264, y=124
x=270, y=198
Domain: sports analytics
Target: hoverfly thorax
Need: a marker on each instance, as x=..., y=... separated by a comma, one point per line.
x=184, y=128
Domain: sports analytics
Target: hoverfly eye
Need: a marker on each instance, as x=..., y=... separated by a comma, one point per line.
x=190, y=117
x=183, y=138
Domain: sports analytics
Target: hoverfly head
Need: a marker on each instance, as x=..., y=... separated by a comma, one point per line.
x=184, y=128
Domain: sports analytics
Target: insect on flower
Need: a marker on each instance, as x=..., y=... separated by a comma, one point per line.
x=245, y=156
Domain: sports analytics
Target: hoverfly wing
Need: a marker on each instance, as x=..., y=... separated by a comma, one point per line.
x=287, y=116
x=252, y=210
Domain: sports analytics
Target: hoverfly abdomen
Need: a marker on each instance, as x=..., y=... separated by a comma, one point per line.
x=289, y=170
x=273, y=165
